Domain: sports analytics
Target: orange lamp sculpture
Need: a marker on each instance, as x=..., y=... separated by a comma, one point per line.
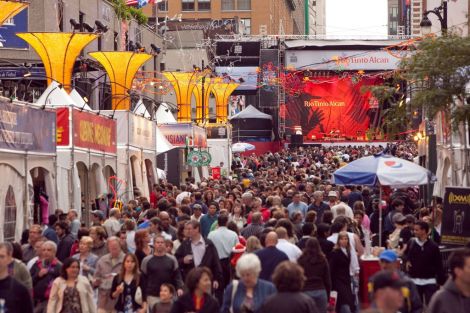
x=197, y=91
x=121, y=67
x=9, y=8
x=222, y=92
x=58, y=52
x=183, y=83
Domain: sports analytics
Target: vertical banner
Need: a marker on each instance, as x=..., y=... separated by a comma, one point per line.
x=456, y=216
x=63, y=126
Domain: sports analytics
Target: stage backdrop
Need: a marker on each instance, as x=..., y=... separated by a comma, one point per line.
x=333, y=105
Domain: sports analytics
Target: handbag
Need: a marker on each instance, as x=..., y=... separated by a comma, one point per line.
x=138, y=296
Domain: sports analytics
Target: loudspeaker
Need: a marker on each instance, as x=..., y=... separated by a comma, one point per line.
x=297, y=139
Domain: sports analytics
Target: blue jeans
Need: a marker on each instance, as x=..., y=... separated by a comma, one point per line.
x=320, y=298
x=345, y=309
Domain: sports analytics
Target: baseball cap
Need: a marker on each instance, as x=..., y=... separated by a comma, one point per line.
x=98, y=213
x=398, y=218
x=333, y=194
x=384, y=279
x=389, y=256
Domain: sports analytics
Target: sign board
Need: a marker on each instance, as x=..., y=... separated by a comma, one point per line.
x=141, y=132
x=200, y=137
x=17, y=24
x=27, y=129
x=216, y=172
x=342, y=60
x=183, y=134
x=456, y=216
x=94, y=132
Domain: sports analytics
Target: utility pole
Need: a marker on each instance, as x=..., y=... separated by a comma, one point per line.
x=202, y=94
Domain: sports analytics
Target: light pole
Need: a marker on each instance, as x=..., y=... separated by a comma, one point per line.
x=431, y=151
x=441, y=13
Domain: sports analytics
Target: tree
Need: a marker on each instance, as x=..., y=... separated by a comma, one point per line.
x=441, y=66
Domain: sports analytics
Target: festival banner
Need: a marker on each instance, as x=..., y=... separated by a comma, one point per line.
x=28, y=129
x=455, y=228
x=141, y=132
x=63, y=126
x=330, y=108
x=17, y=24
x=178, y=135
x=200, y=137
x=94, y=132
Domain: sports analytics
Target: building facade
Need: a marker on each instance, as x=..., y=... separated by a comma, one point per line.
x=269, y=17
x=59, y=16
x=316, y=17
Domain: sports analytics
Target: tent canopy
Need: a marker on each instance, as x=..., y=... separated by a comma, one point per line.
x=77, y=98
x=55, y=95
x=163, y=145
x=141, y=110
x=251, y=112
x=164, y=115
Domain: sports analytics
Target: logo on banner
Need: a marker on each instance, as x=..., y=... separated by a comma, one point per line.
x=206, y=158
x=323, y=103
x=194, y=158
x=456, y=216
x=393, y=164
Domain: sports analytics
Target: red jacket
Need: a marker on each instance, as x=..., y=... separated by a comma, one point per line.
x=264, y=212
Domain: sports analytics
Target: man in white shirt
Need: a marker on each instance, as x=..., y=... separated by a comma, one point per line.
x=112, y=224
x=335, y=204
x=224, y=240
x=197, y=213
x=293, y=252
x=182, y=195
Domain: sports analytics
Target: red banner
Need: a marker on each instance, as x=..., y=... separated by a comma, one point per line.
x=63, y=127
x=331, y=108
x=94, y=132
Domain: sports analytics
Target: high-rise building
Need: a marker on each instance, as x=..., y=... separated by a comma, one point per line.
x=316, y=17
x=393, y=17
x=267, y=17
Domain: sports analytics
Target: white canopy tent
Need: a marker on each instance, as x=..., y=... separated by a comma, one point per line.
x=78, y=100
x=251, y=112
x=164, y=115
x=141, y=110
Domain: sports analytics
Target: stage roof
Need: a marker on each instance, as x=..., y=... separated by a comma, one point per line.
x=309, y=44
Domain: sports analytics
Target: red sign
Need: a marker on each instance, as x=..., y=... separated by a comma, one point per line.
x=332, y=107
x=216, y=172
x=63, y=127
x=94, y=132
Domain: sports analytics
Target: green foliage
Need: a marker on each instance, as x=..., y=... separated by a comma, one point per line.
x=125, y=12
x=441, y=66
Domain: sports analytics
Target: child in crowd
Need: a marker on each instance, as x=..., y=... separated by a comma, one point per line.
x=167, y=293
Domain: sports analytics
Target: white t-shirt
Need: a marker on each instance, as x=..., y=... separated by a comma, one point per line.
x=292, y=251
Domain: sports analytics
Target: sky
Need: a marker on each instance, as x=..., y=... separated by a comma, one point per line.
x=356, y=18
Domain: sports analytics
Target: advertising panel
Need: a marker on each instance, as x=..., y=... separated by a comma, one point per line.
x=27, y=129
x=141, y=132
x=456, y=216
x=331, y=107
x=344, y=60
x=249, y=74
x=200, y=137
x=17, y=24
x=94, y=132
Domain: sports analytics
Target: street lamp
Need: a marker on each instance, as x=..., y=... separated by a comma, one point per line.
x=441, y=13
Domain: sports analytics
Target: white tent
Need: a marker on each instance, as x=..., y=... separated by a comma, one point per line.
x=141, y=110
x=163, y=145
x=251, y=112
x=164, y=115
x=55, y=95
x=77, y=98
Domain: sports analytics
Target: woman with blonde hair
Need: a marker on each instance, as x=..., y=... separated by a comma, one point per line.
x=253, y=244
x=340, y=259
x=85, y=257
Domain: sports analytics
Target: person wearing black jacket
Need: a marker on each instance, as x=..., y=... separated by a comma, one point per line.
x=198, y=252
x=197, y=299
x=424, y=262
x=66, y=240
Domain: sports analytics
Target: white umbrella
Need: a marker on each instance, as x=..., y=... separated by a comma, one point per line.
x=242, y=147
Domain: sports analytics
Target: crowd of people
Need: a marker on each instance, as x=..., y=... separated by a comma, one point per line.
x=276, y=235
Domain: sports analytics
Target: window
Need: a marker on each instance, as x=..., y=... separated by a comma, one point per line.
x=10, y=216
x=394, y=12
x=244, y=5
x=228, y=5
x=188, y=5
x=163, y=6
x=245, y=26
x=203, y=5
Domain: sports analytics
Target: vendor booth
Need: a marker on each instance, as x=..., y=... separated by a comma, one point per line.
x=136, y=155
x=186, y=137
x=251, y=125
x=86, y=152
x=27, y=166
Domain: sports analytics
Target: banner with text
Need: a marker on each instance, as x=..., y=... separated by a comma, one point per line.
x=26, y=129
x=330, y=107
x=456, y=216
x=94, y=132
x=63, y=126
x=178, y=135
